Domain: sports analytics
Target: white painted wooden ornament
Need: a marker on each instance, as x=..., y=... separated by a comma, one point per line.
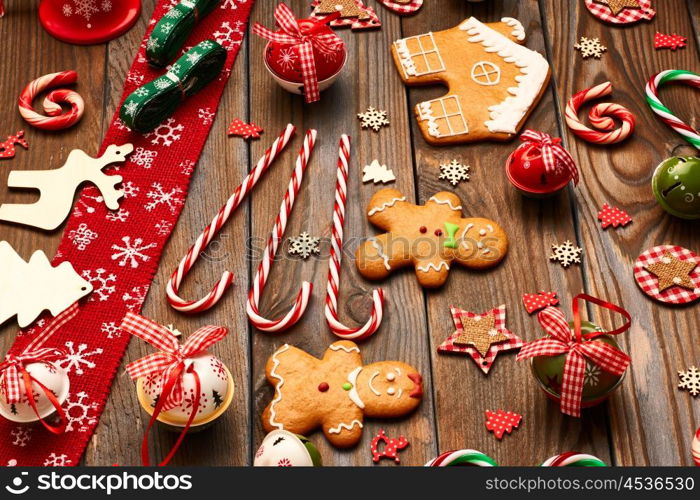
x=29, y=288
x=377, y=173
x=57, y=187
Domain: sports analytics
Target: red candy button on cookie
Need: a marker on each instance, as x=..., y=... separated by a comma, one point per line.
x=85, y=22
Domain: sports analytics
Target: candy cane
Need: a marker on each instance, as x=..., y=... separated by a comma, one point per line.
x=462, y=457
x=696, y=448
x=600, y=117
x=56, y=118
x=573, y=459
x=334, y=267
x=302, y=300
x=213, y=229
x=652, y=90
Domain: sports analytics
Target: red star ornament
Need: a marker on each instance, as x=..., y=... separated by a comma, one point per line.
x=613, y=216
x=451, y=345
x=536, y=301
x=502, y=421
x=246, y=130
x=673, y=42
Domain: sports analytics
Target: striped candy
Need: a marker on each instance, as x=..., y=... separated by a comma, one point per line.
x=573, y=459
x=652, y=93
x=57, y=119
x=696, y=448
x=173, y=287
x=462, y=457
x=334, y=265
x=302, y=300
x=600, y=117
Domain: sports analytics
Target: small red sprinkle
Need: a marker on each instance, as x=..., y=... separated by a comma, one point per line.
x=438, y=232
x=423, y=229
x=323, y=387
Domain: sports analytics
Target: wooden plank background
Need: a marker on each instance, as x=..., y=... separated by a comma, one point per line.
x=647, y=422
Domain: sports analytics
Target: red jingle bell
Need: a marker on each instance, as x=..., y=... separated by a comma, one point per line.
x=540, y=166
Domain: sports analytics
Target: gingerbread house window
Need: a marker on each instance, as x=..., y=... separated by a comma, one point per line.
x=486, y=73
x=424, y=54
x=444, y=115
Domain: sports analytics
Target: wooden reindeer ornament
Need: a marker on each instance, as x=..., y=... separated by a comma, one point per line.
x=58, y=186
x=28, y=288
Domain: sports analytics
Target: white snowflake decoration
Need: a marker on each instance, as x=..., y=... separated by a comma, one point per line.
x=117, y=216
x=163, y=227
x=454, y=172
x=193, y=56
x=166, y=133
x=82, y=236
x=166, y=27
x=690, y=380
x=373, y=118
x=566, y=254
x=162, y=83
x=135, y=79
x=229, y=36
x=130, y=189
x=130, y=108
x=206, y=115
x=143, y=157
x=135, y=297
x=106, y=5
x=102, y=283
x=76, y=359
x=187, y=167
x=111, y=329
x=132, y=253
x=232, y=4
x=590, y=47
x=54, y=460
x=142, y=92
x=592, y=375
x=85, y=8
x=67, y=10
x=287, y=59
x=158, y=196
x=152, y=43
x=21, y=435
x=304, y=245
x=79, y=413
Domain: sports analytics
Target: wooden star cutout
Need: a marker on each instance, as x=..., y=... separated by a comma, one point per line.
x=616, y=6
x=479, y=331
x=672, y=271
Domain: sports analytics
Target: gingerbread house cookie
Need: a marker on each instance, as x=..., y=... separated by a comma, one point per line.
x=493, y=80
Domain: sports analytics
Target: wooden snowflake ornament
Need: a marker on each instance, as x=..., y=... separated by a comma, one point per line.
x=566, y=254
x=304, y=245
x=245, y=130
x=502, y=422
x=690, y=380
x=454, y=172
x=373, y=118
x=590, y=47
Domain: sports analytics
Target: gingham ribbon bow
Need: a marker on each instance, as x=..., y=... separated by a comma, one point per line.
x=307, y=40
x=578, y=348
x=13, y=366
x=171, y=356
x=552, y=152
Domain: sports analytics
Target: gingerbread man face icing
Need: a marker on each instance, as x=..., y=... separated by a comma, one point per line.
x=430, y=238
x=336, y=392
x=493, y=80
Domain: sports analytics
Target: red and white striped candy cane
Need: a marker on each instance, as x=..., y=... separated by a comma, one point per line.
x=600, y=117
x=172, y=289
x=334, y=264
x=573, y=459
x=695, y=448
x=57, y=119
x=302, y=300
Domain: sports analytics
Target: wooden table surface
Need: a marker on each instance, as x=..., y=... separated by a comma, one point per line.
x=648, y=421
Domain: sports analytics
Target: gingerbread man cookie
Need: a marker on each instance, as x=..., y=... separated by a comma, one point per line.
x=494, y=81
x=336, y=392
x=428, y=237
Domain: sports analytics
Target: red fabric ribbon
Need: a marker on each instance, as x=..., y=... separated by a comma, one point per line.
x=552, y=152
x=578, y=348
x=170, y=363
x=15, y=380
x=306, y=41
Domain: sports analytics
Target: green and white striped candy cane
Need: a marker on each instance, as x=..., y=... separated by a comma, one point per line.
x=462, y=457
x=652, y=89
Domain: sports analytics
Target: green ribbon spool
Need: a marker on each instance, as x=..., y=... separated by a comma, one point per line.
x=150, y=104
x=174, y=28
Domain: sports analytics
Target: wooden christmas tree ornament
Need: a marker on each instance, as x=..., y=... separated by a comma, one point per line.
x=57, y=187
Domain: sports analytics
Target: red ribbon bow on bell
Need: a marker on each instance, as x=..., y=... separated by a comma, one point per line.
x=170, y=362
x=16, y=381
x=306, y=40
x=552, y=152
x=578, y=348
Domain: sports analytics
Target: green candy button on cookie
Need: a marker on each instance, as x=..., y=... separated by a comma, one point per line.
x=676, y=185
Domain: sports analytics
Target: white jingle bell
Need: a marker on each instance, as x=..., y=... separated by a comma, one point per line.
x=51, y=376
x=216, y=391
x=283, y=449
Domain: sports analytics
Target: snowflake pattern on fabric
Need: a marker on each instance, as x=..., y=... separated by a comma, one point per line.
x=135, y=297
x=102, y=284
x=143, y=157
x=82, y=236
x=229, y=36
x=566, y=254
x=21, y=435
x=690, y=380
x=304, y=245
x=111, y=330
x=77, y=358
x=54, y=460
x=590, y=47
x=80, y=412
x=132, y=252
x=163, y=227
x=454, y=172
x=206, y=115
x=166, y=133
x=120, y=215
x=373, y=118
x=159, y=196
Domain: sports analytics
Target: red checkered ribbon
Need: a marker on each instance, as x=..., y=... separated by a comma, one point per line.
x=578, y=348
x=553, y=153
x=171, y=355
x=306, y=40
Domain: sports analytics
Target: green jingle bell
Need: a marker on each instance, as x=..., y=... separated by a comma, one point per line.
x=281, y=448
x=676, y=185
x=597, y=383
